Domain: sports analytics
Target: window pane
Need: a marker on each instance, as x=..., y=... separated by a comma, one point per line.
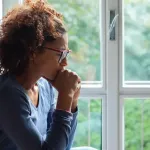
x=8, y=4
x=0, y=11
x=137, y=40
x=83, y=22
x=137, y=124
x=89, y=129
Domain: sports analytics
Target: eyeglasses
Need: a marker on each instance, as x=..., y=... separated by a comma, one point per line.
x=64, y=53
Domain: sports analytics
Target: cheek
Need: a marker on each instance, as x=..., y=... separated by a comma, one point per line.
x=52, y=65
x=49, y=63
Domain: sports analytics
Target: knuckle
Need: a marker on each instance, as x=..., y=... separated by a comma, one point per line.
x=69, y=70
x=75, y=77
x=66, y=71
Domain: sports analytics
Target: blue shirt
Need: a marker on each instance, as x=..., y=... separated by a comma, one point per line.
x=26, y=127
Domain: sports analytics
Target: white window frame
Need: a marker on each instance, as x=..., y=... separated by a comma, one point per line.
x=129, y=89
x=112, y=61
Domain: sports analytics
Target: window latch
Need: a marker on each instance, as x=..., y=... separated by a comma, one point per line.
x=113, y=20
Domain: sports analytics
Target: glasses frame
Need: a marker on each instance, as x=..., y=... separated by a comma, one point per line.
x=62, y=51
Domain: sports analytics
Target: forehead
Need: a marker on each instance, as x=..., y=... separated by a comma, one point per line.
x=59, y=43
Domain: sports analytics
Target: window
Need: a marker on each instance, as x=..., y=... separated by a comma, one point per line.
x=8, y=4
x=136, y=30
x=89, y=131
x=83, y=21
x=86, y=53
x=0, y=9
x=137, y=130
x=134, y=75
x=115, y=72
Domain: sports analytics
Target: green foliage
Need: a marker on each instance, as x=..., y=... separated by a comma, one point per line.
x=136, y=40
x=137, y=131
x=89, y=124
x=82, y=20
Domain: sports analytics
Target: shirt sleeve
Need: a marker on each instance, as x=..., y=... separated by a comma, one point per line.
x=73, y=129
x=15, y=119
x=73, y=122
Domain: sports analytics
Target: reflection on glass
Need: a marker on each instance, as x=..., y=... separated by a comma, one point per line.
x=89, y=129
x=83, y=23
x=137, y=124
x=137, y=40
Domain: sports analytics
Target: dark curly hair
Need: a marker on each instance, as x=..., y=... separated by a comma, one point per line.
x=24, y=30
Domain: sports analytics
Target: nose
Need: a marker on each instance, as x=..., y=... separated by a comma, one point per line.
x=64, y=62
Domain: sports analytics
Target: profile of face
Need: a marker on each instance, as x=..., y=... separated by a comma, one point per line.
x=48, y=62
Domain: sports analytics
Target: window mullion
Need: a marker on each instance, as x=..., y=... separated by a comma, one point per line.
x=112, y=57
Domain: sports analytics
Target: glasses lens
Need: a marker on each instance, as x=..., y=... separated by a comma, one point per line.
x=64, y=55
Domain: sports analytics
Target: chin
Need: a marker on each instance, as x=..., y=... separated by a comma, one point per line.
x=50, y=78
x=53, y=76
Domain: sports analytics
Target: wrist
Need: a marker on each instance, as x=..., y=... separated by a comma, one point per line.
x=64, y=102
x=73, y=110
x=66, y=94
x=74, y=103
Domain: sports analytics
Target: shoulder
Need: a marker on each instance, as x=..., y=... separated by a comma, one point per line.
x=9, y=85
x=14, y=103
x=11, y=93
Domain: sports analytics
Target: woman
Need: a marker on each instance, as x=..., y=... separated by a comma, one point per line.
x=33, y=51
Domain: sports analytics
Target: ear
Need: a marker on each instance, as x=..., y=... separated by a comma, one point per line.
x=34, y=55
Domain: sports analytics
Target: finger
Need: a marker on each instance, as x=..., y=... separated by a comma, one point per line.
x=78, y=86
x=79, y=79
x=69, y=70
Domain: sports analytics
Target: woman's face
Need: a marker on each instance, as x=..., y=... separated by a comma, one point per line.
x=48, y=60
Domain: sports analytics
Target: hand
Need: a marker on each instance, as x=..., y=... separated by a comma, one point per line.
x=66, y=83
x=75, y=99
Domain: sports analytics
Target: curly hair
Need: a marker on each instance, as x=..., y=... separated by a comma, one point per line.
x=24, y=30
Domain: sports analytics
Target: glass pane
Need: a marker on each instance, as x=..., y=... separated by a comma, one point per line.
x=83, y=23
x=8, y=4
x=137, y=124
x=137, y=40
x=89, y=129
x=0, y=11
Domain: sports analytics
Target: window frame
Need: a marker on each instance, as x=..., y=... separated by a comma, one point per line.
x=112, y=74
x=127, y=89
x=121, y=116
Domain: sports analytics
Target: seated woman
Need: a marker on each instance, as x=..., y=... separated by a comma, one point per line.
x=33, y=57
